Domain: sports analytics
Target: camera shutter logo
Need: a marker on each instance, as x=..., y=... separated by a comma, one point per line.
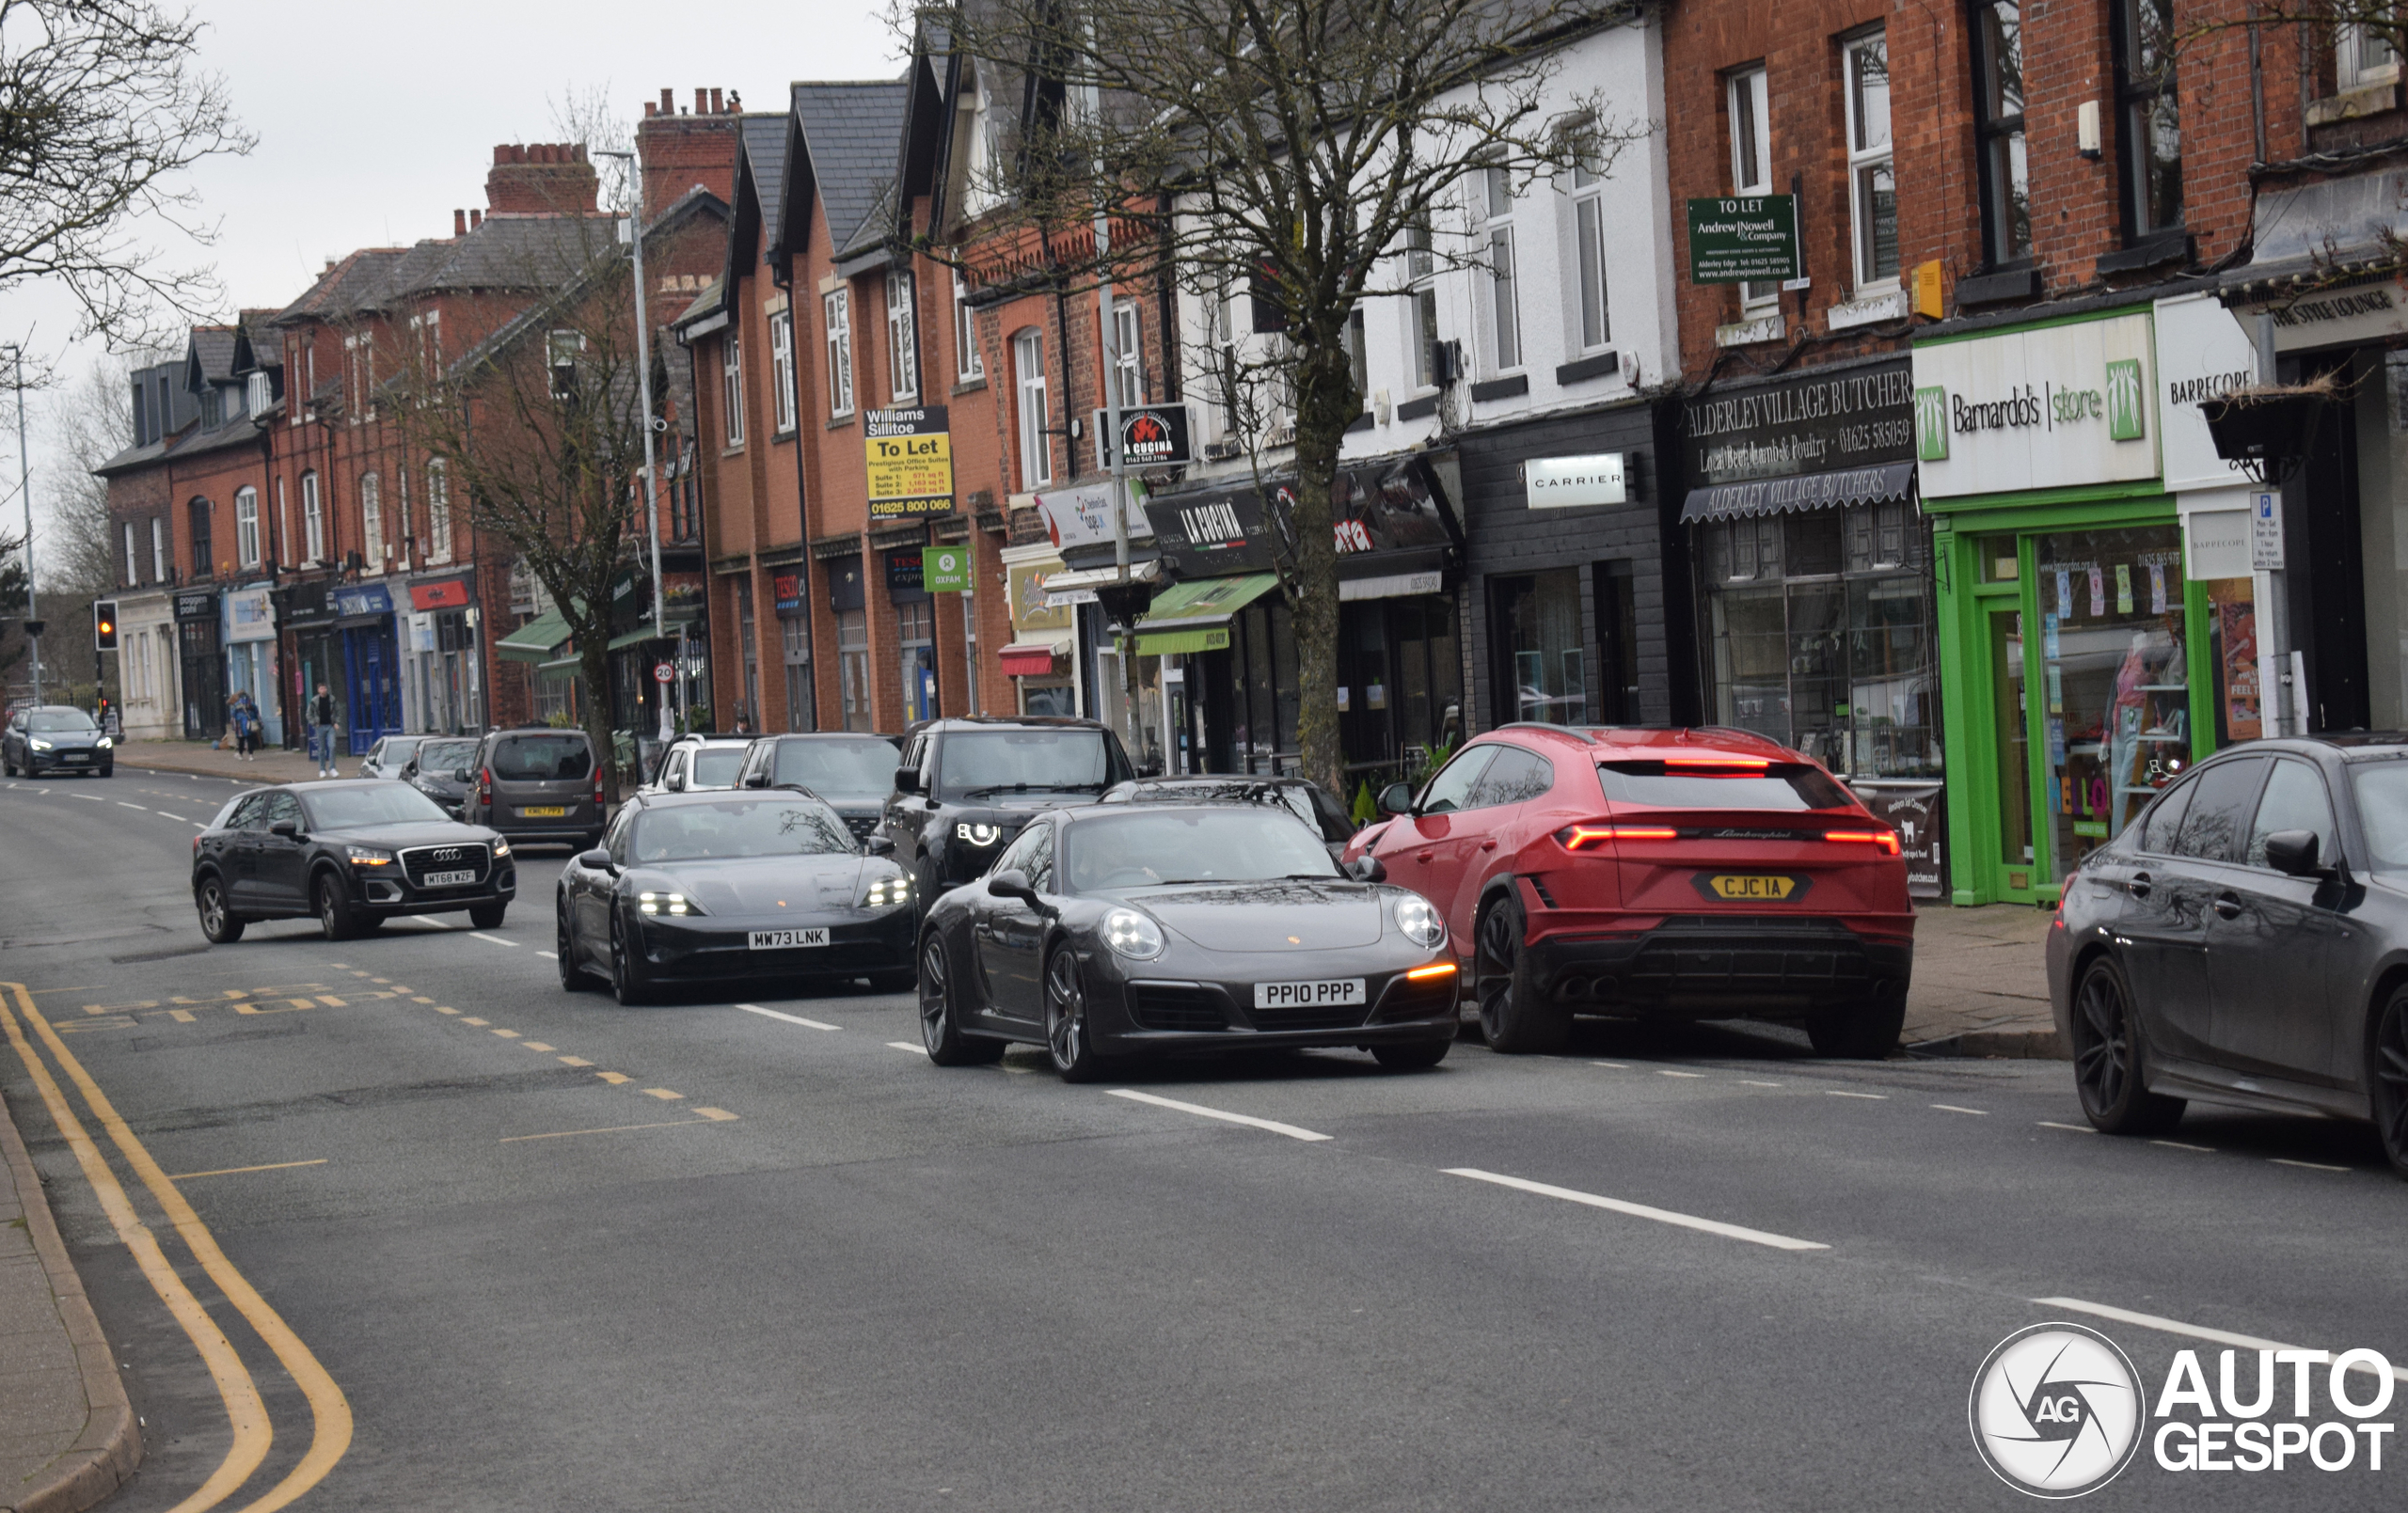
x=2056, y=1410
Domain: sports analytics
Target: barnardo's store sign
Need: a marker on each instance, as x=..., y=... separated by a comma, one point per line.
x=2054, y=406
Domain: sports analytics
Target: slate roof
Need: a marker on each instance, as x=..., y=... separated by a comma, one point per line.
x=511, y=252
x=212, y=350
x=765, y=158
x=853, y=133
x=708, y=302
x=348, y=287
x=259, y=344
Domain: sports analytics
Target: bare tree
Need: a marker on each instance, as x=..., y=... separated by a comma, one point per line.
x=12, y=601
x=102, y=111
x=85, y=425
x=1288, y=150
x=537, y=434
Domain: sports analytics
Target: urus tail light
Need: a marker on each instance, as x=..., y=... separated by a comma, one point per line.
x=1590, y=837
x=1886, y=841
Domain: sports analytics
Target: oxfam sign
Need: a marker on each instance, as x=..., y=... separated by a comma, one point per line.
x=2054, y=406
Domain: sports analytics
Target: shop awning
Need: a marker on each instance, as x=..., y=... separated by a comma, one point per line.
x=636, y=638
x=1885, y=483
x=1195, y=616
x=1079, y=586
x=534, y=642
x=1028, y=659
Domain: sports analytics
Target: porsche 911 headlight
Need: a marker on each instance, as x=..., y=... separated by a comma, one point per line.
x=887, y=893
x=1132, y=935
x=1420, y=921
x=665, y=904
x=979, y=835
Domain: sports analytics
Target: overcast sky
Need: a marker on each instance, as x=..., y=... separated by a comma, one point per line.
x=374, y=122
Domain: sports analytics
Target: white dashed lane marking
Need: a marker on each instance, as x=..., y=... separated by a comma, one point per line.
x=1640, y=1210
x=494, y=939
x=1291, y=1132
x=796, y=1019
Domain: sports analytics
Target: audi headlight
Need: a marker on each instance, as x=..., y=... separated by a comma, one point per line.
x=887, y=893
x=368, y=856
x=501, y=849
x=676, y=904
x=1420, y=920
x=41, y=745
x=1132, y=935
x=979, y=835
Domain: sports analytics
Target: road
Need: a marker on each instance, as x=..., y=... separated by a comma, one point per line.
x=553, y=1253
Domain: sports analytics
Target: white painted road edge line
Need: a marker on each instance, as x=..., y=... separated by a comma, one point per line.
x=2175, y=1326
x=494, y=939
x=1291, y=1132
x=796, y=1019
x=1639, y=1211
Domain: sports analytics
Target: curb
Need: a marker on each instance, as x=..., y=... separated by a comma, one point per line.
x=187, y=769
x=2037, y=1045
x=103, y=1456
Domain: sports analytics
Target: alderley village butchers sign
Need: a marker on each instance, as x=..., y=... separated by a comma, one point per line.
x=1837, y=437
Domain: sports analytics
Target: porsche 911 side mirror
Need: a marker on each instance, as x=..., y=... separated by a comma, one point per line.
x=1367, y=868
x=1012, y=883
x=878, y=845
x=2293, y=853
x=1397, y=798
x=598, y=859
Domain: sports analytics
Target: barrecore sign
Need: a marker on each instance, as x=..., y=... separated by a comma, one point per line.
x=2202, y=351
x=2048, y=406
x=909, y=457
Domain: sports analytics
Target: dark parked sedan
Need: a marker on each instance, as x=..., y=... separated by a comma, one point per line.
x=1106, y=932
x=354, y=852
x=731, y=886
x=55, y=738
x=2245, y=941
x=434, y=769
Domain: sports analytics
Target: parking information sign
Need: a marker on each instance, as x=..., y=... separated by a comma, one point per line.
x=911, y=463
x=1743, y=237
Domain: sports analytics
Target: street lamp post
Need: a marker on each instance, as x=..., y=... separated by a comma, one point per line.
x=25, y=487
x=644, y=385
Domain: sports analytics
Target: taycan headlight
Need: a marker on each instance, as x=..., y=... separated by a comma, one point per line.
x=1420, y=921
x=1132, y=935
x=673, y=904
x=979, y=835
x=887, y=893
x=368, y=856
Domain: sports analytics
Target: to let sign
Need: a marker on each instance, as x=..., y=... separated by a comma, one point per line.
x=1743, y=237
x=909, y=458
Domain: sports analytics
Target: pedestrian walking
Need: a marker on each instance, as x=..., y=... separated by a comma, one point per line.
x=743, y=723
x=322, y=722
x=246, y=726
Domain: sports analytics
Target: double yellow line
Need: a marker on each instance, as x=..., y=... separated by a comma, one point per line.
x=329, y=1412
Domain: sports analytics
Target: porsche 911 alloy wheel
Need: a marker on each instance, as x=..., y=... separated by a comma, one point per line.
x=940, y=1028
x=1066, y=1020
x=2107, y=1058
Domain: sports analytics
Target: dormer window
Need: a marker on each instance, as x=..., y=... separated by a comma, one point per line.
x=263, y=392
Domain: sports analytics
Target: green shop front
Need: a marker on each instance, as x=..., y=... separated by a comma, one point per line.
x=2074, y=649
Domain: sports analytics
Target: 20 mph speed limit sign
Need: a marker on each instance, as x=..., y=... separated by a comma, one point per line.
x=663, y=672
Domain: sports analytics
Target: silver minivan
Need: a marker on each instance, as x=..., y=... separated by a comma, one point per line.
x=537, y=785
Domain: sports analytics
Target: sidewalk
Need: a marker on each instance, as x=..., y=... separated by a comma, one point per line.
x=209, y=762
x=68, y=1437
x=1981, y=987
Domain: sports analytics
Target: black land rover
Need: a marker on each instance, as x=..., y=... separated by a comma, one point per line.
x=965, y=787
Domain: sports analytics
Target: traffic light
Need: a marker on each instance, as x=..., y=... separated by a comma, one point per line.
x=105, y=624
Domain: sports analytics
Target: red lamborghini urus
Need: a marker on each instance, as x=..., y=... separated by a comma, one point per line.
x=1657, y=874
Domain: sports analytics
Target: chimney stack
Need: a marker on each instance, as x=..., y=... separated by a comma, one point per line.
x=539, y=178
x=668, y=105
x=476, y=218
x=716, y=109
x=459, y=222
x=702, y=101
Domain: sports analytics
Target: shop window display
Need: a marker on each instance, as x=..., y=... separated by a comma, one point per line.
x=1538, y=631
x=1822, y=636
x=2114, y=687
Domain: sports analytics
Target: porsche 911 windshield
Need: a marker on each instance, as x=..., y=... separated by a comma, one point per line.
x=1217, y=845
x=739, y=827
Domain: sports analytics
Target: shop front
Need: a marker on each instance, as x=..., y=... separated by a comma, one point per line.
x=371, y=665
x=915, y=632
x=1813, y=578
x=1042, y=656
x=311, y=652
x=148, y=662
x=198, y=660
x=1127, y=687
x=247, y=631
x=2075, y=655
x=1575, y=570
x=443, y=686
